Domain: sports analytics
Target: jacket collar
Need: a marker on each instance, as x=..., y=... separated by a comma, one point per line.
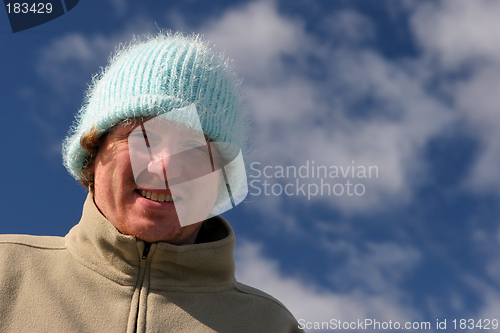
x=97, y=244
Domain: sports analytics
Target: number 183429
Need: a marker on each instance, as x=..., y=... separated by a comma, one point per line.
x=25, y=8
x=484, y=324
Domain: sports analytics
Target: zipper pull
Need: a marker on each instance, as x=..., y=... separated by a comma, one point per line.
x=145, y=252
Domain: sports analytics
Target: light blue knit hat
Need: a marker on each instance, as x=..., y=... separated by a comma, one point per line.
x=153, y=76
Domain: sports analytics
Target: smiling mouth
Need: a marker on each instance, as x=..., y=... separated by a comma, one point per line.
x=158, y=197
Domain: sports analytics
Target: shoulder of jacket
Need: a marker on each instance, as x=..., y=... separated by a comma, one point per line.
x=259, y=293
x=42, y=242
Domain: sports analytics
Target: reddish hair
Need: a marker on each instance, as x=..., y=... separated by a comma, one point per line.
x=91, y=142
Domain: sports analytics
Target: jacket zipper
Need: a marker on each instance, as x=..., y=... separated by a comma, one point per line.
x=145, y=252
x=136, y=316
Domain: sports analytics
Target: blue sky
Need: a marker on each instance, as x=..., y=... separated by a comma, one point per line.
x=410, y=87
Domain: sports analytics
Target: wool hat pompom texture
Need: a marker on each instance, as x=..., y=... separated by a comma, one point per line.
x=150, y=77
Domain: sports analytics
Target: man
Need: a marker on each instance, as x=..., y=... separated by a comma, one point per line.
x=157, y=143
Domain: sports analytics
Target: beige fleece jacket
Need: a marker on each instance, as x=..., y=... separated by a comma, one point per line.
x=98, y=280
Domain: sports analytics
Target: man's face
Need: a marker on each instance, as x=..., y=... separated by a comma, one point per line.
x=142, y=206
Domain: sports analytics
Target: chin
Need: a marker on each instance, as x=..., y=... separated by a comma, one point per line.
x=157, y=231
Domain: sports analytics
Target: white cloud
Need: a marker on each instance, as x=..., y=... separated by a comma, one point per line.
x=379, y=268
x=255, y=36
x=300, y=118
x=314, y=303
x=465, y=36
x=457, y=31
x=64, y=60
x=73, y=58
x=477, y=99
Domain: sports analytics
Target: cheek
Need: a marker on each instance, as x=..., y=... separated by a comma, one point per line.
x=114, y=175
x=102, y=184
x=207, y=188
x=215, y=187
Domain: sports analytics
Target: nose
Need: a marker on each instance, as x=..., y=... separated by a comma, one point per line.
x=165, y=166
x=157, y=167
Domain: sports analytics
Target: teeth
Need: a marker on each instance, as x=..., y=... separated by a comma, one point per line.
x=154, y=196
